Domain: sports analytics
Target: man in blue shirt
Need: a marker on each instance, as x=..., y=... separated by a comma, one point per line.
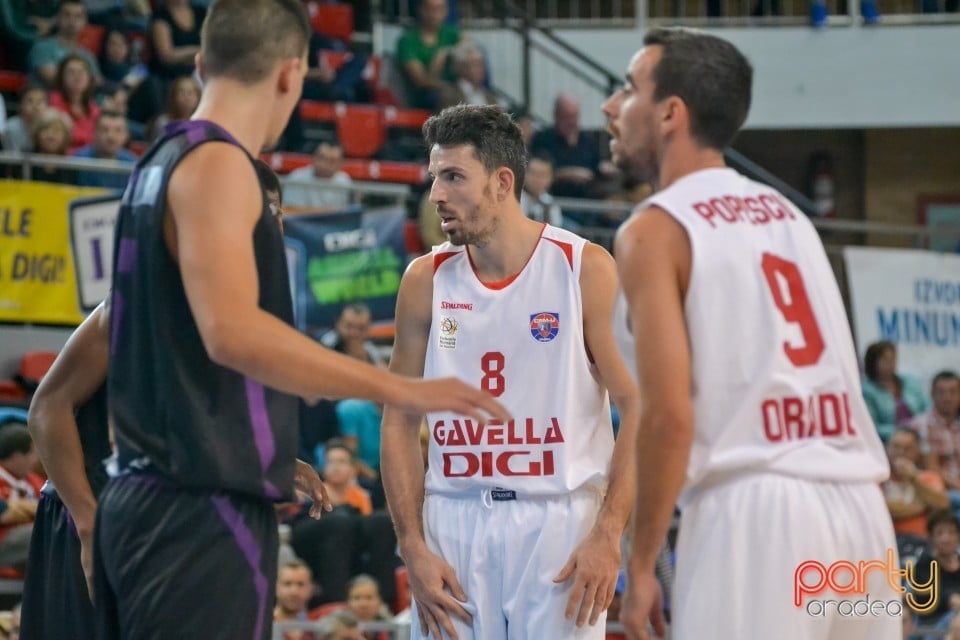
x=109, y=138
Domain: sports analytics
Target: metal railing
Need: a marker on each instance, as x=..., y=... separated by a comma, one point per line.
x=394, y=630
x=359, y=192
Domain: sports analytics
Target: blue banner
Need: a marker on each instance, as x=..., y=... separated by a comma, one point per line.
x=339, y=258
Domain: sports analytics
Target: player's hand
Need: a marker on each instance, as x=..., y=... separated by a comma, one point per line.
x=86, y=556
x=449, y=394
x=593, y=566
x=437, y=592
x=19, y=511
x=307, y=481
x=643, y=604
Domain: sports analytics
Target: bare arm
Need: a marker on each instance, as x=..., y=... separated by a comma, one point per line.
x=427, y=77
x=596, y=560
x=653, y=258
x=433, y=583
x=400, y=460
x=213, y=205
x=163, y=44
x=77, y=373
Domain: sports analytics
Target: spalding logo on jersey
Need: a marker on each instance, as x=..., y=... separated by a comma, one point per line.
x=544, y=326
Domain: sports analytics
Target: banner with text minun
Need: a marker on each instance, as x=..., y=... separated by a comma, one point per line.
x=55, y=251
x=911, y=298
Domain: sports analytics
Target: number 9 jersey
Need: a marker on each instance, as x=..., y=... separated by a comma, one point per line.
x=776, y=385
x=521, y=340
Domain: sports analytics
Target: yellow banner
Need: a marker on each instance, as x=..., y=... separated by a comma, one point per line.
x=38, y=268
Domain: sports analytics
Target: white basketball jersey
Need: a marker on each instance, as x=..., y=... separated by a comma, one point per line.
x=775, y=380
x=522, y=340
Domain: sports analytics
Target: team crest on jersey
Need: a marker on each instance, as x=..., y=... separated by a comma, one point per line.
x=544, y=326
x=448, y=332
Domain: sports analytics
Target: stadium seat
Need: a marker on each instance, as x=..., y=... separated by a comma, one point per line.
x=11, y=392
x=91, y=38
x=34, y=365
x=360, y=129
x=12, y=81
x=334, y=20
x=325, y=610
x=403, y=590
x=336, y=59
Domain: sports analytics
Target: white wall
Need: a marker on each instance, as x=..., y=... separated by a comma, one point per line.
x=841, y=77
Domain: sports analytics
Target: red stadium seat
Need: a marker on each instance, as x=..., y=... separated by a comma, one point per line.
x=35, y=364
x=12, y=81
x=318, y=111
x=286, y=162
x=403, y=590
x=336, y=59
x=11, y=392
x=360, y=129
x=91, y=38
x=405, y=118
x=334, y=20
x=325, y=610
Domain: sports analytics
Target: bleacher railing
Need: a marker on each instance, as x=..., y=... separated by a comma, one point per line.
x=394, y=630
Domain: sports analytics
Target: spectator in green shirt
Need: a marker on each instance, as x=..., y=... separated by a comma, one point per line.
x=423, y=52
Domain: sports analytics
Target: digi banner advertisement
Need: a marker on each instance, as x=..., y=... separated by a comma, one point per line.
x=55, y=251
x=911, y=298
x=339, y=258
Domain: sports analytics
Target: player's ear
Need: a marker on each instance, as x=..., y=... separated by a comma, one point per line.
x=674, y=115
x=505, y=182
x=290, y=75
x=201, y=67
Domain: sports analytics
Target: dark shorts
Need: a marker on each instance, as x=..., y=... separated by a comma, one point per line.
x=56, y=603
x=183, y=563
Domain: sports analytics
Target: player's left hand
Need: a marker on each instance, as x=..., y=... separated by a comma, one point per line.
x=307, y=481
x=593, y=565
x=643, y=607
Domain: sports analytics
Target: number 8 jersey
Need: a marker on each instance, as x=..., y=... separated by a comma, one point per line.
x=776, y=385
x=522, y=340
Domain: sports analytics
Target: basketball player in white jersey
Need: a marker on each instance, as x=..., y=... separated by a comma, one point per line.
x=514, y=531
x=752, y=419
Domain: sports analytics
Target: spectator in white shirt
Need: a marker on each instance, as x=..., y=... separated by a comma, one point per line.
x=326, y=170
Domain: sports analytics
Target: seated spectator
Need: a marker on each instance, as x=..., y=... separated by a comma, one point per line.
x=19, y=491
x=528, y=128
x=535, y=200
x=340, y=625
x=116, y=97
x=364, y=602
x=422, y=54
x=109, y=140
x=945, y=539
x=892, y=398
x=340, y=477
x=360, y=427
x=326, y=168
x=175, y=33
x=939, y=430
x=47, y=53
x=576, y=157
x=351, y=334
x=345, y=84
x=33, y=101
x=183, y=96
x=74, y=97
x=469, y=85
x=116, y=64
x=912, y=494
x=294, y=590
x=51, y=136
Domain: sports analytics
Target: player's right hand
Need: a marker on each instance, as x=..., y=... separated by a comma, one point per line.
x=643, y=604
x=437, y=593
x=449, y=394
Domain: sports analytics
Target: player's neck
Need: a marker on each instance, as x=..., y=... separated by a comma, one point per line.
x=237, y=108
x=508, y=250
x=683, y=158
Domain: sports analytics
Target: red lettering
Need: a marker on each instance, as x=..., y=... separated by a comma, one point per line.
x=705, y=211
x=455, y=435
x=767, y=408
x=831, y=422
x=439, y=433
x=553, y=435
x=760, y=215
x=775, y=212
x=846, y=412
x=531, y=438
x=548, y=469
x=792, y=416
x=721, y=207
x=512, y=437
x=472, y=464
x=486, y=462
x=494, y=433
x=736, y=207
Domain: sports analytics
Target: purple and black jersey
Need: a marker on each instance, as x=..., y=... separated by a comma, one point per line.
x=175, y=411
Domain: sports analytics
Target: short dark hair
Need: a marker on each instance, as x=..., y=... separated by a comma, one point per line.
x=943, y=516
x=267, y=177
x=245, y=39
x=64, y=3
x=874, y=352
x=362, y=578
x=913, y=433
x=494, y=135
x=946, y=374
x=340, y=443
x=109, y=113
x=359, y=308
x=711, y=76
x=14, y=438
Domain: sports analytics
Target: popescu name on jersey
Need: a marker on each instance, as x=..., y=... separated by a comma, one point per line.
x=520, y=460
x=763, y=209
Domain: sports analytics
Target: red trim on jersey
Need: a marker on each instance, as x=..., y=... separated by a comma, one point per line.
x=503, y=284
x=440, y=258
x=567, y=249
